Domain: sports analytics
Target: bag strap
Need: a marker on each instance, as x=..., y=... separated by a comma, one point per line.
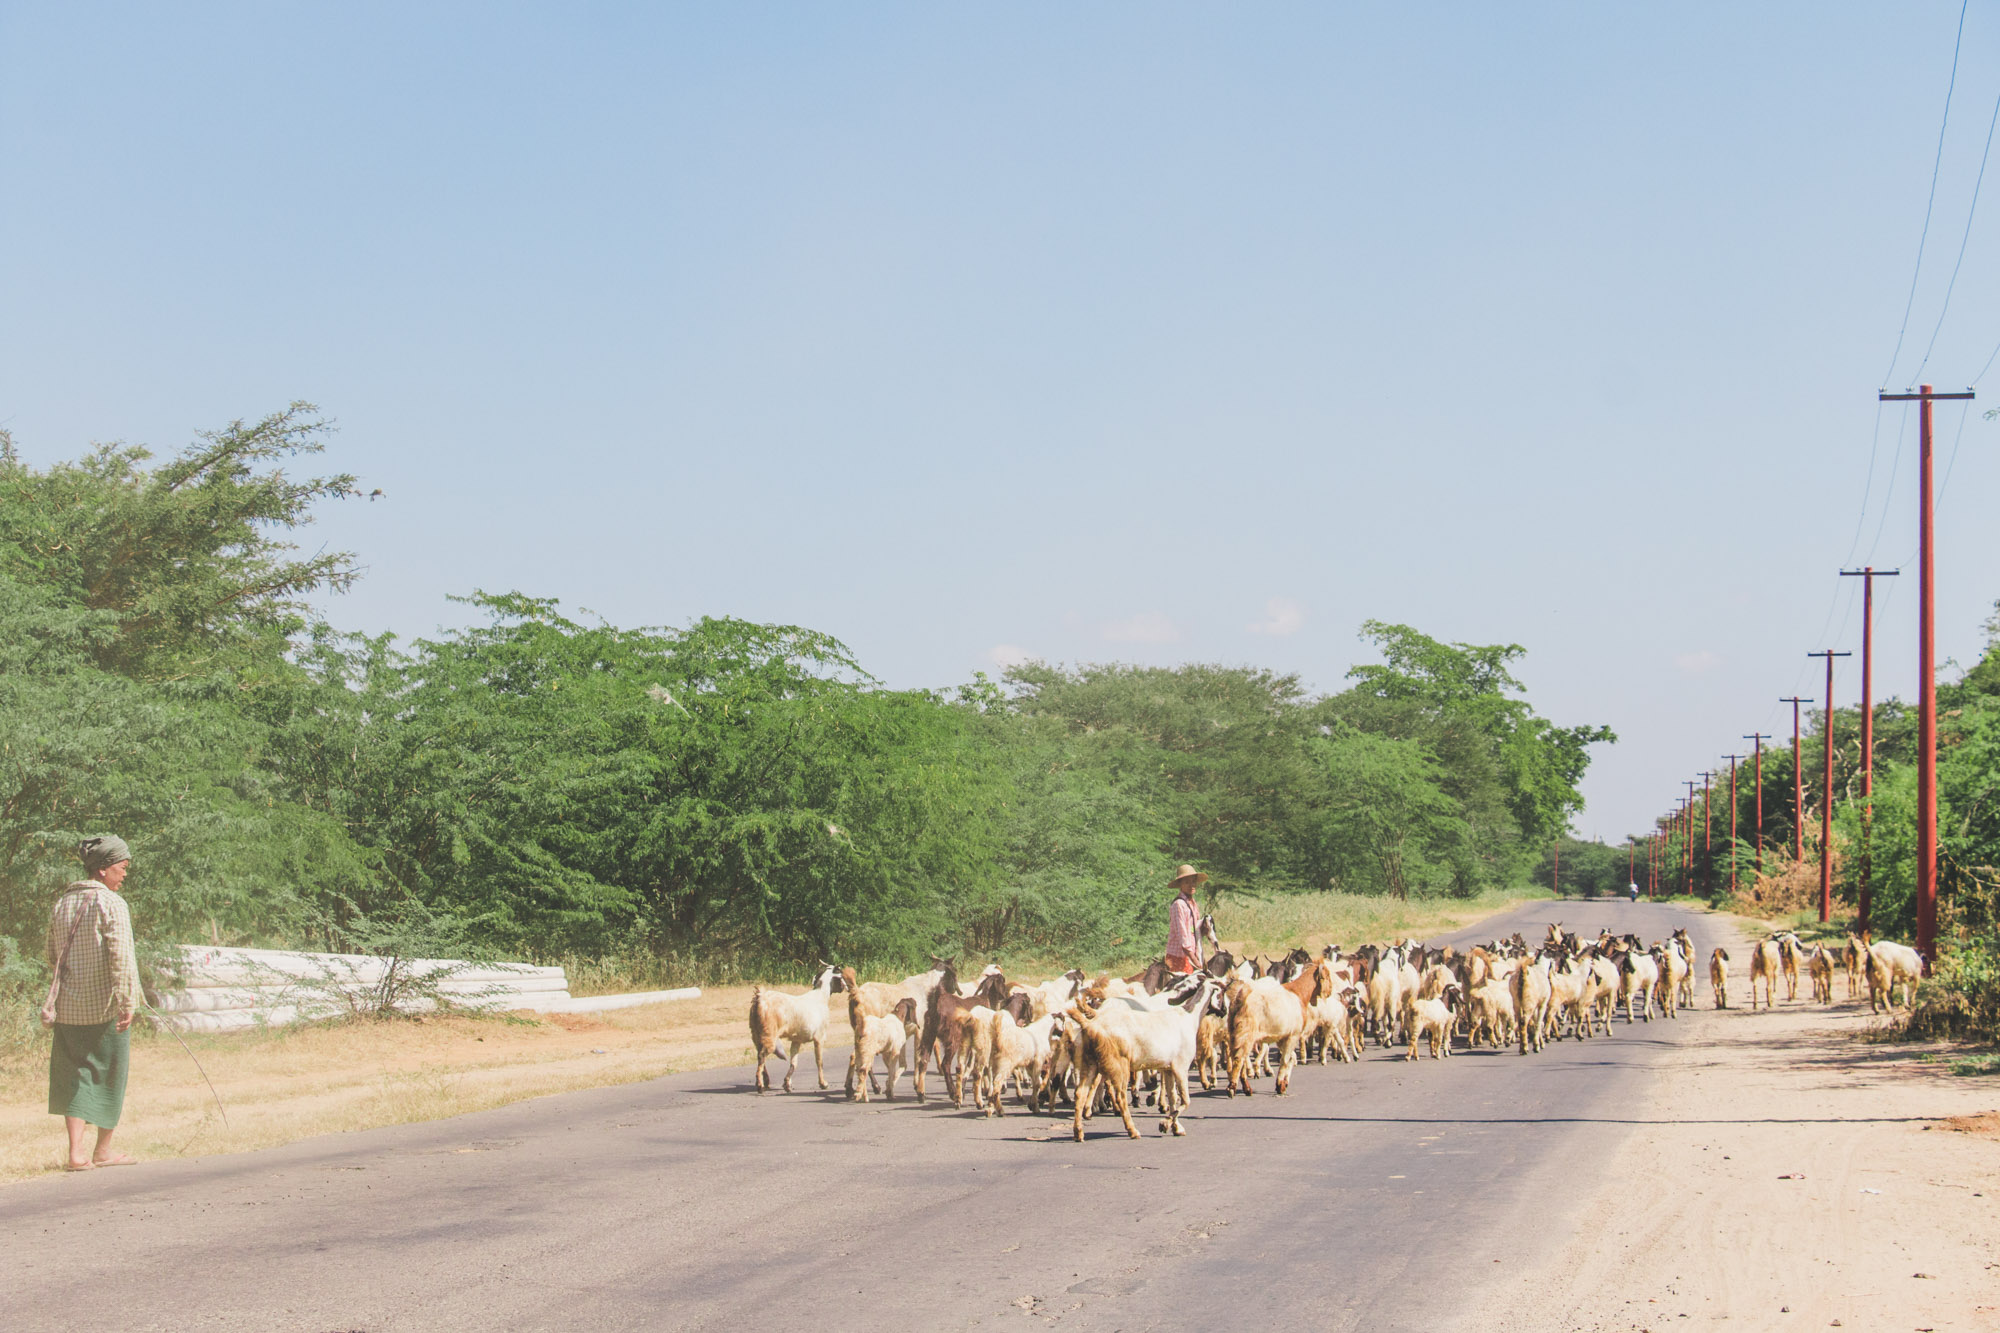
x=62, y=959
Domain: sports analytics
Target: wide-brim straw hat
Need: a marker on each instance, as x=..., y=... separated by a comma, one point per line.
x=1186, y=874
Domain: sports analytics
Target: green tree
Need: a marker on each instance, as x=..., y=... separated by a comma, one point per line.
x=183, y=555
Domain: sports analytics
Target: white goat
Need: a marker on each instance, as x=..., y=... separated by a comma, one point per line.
x=1432, y=1020
x=799, y=1020
x=1892, y=967
x=1015, y=1048
x=1117, y=1042
x=1638, y=979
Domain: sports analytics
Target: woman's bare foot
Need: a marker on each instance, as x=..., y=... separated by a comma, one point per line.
x=115, y=1159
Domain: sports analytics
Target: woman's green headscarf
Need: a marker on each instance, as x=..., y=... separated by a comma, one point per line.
x=98, y=853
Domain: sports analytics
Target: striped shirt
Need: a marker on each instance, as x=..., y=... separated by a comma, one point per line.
x=101, y=977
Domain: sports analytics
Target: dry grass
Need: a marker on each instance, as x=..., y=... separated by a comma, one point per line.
x=293, y=1083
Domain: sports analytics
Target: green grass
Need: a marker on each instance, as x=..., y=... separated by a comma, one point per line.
x=1311, y=920
x=1970, y=1066
x=1246, y=925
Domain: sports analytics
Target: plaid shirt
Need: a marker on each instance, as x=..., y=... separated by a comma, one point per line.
x=102, y=980
x=1182, y=919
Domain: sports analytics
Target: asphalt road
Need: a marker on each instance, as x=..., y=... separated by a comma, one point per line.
x=1375, y=1196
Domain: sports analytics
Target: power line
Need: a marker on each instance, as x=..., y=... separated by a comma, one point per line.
x=1988, y=366
x=1868, y=489
x=1944, y=484
x=1894, y=464
x=1970, y=213
x=1923, y=237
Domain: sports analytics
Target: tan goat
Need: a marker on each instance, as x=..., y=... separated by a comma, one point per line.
x=879, y=1035
x=877, y=999
x=1491, y=1005
x=1819, y=966
x=1764, y=966
x=1789, y=950
x=1718, y=977
x=1531, y=1003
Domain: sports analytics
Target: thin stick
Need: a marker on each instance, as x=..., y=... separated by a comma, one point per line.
x=164, y=1023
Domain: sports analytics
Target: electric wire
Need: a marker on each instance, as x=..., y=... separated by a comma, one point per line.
x=1963, y=240
x=1944, y=482
x=1923, y=237
x=1868, y=488
x=1988, y=366
x=1894, y=464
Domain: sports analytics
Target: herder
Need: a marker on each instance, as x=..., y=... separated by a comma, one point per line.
x=1183, y=921
x=91, y=1002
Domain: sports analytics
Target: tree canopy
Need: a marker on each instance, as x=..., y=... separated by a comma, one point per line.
x=721, y=786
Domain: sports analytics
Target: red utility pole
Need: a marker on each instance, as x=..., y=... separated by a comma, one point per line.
x=1732, y=758
x=1758, y=737
x=1556, y=875
x=1707, y=842
x=1826, y=797
x=1926, y=674
x=1687, y=841
x=1868, y=577
x=1798, y=784
x=1670, y=843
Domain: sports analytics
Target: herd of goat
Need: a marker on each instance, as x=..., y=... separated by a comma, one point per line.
x=1103, y=1041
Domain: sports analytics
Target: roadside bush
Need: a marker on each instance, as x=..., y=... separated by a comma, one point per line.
x=24, y=980
x=1961, y=999
x=419, y=950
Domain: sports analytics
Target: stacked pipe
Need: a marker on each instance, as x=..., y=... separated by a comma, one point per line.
x=214, y=989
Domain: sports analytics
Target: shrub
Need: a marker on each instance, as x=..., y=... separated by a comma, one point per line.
x=1961, y=999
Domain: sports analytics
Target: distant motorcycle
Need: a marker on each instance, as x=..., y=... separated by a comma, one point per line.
x=1634, y=890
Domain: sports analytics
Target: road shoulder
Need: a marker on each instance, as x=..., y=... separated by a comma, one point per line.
x=1783, y=1173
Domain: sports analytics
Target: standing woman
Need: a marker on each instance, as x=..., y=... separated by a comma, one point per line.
x=91, y=1002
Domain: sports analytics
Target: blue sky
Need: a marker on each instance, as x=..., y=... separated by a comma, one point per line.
x=1146, y=333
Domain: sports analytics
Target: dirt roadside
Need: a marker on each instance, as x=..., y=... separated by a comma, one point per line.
x=1784, y=1175
x=293, y=1083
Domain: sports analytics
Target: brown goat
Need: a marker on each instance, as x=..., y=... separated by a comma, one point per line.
x=1274, y=1012
x=949, y=1027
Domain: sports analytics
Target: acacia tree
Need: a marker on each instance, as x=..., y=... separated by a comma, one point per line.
x=1458, y=699
x=186, y=556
